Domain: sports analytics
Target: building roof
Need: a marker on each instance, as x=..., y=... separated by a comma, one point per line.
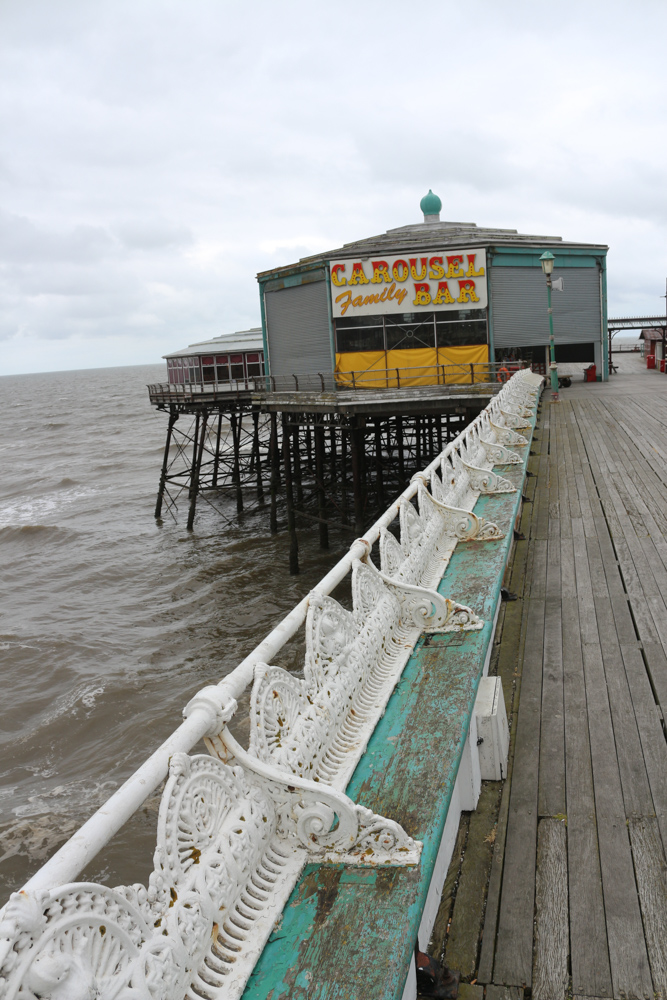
x=650, y=335
x=242, y=340
x=426, y=235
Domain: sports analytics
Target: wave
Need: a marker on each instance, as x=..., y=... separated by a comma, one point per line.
x=12, y=532
x=32, y=511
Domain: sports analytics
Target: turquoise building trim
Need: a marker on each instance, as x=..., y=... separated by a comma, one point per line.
x=332, y=334
x=490, y=254
x=605, y=330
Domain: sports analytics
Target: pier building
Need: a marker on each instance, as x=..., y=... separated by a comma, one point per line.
x=230, y=360
x=373, y=356
x=398, y=307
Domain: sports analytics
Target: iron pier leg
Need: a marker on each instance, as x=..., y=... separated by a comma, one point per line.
x=357, y=448
x=309, y=447
x=195, y=444
x=401, y=453
x=319, y=476
x=173, y=417
x=343, y=473
x=236, y=475
x=258, y=464
x=291, y=524
x=378, y=463
x=275, y=472
x=194, y=479
x=439, y=432
x=216, y=457
x=296, y=456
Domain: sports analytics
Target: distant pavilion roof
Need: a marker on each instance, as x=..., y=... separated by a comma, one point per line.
x=242, y=340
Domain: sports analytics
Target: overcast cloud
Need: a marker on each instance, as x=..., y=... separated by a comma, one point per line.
x=156, y=155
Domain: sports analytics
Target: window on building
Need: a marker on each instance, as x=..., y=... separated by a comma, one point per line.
x=236, y=365
x=461, y=326
x=409, y=330
x=208, y=368
x=361, y=333
x=253, y=365
x=222, y=367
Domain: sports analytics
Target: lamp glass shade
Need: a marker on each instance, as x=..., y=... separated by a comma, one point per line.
x=547, y=261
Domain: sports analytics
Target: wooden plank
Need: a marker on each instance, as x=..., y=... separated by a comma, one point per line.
x=488, y=948
x=514, y=949
x=552, y=735
x=538, y=576
x=494, y=992
x=468, y=914
x=656, y=661
x=627, y=948
x=634, y=780
x=651, y=732
x=651, y=872
x=509, y=664
x=550, y=968
x=588, y=930
x=440, y=930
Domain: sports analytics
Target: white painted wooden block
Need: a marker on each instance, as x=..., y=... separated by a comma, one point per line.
x=493, y=737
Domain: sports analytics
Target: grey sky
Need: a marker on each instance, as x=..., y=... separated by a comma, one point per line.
x=155, y=155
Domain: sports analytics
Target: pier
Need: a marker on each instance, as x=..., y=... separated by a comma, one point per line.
x=578, y=891
x=312, y=448
x=383, y=832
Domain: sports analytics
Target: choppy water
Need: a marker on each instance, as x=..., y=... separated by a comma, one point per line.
x=108, y=622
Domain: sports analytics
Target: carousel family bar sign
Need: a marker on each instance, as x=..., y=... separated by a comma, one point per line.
x=431, y=282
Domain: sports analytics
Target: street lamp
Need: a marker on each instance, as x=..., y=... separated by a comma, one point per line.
x=547, y=261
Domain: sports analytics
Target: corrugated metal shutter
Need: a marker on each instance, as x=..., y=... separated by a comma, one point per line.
x=297, y=322
x=519, y=301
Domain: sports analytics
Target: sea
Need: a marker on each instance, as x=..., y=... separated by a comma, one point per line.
x=110, y=621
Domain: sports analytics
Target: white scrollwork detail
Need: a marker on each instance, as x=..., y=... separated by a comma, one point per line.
x=507, y=436
x=466, y=526
x=488, y=482
x=514, y=421
x=499, y=455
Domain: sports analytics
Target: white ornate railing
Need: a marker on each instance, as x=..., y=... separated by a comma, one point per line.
x=236, y=827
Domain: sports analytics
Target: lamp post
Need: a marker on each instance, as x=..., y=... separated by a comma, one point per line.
x=547, y=261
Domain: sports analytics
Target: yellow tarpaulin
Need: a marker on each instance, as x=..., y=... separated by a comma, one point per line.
x=416, y=366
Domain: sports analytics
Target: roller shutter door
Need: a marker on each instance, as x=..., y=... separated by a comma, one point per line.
x=519, y=300
x=297, y=321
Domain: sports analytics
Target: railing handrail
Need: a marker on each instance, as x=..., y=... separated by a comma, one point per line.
x=201, y=716
x=339, y=380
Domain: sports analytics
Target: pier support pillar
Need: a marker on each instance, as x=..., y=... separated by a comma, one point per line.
x=274, y=457
x=289, y=495
x=236, y=474
x=173, y=417
x=319, y=477
x=357, y=442
x=198, y=451
x=216, y=457
x=379, y=474
x=256, y=456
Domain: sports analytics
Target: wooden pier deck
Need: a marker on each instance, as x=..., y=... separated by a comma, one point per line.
x=577, y=898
